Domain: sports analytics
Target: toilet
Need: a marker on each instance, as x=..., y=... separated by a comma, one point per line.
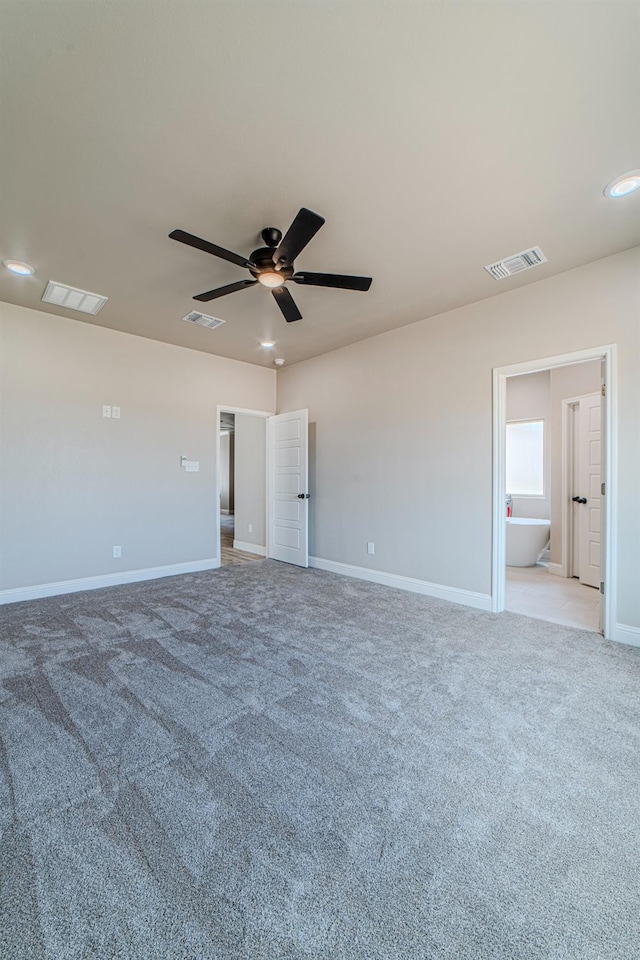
x=526, y=539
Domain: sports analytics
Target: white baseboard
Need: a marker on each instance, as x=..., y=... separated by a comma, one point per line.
x=454, y=594
x=625, y=634
x=557, y=568
x=249, y=547
x=41, y=590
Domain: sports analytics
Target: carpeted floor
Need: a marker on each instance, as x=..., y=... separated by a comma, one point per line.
x=264, y=762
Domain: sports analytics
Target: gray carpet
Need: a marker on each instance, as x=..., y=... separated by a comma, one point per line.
x=264, y=762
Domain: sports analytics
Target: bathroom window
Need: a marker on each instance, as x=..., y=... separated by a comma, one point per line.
x=525, y=458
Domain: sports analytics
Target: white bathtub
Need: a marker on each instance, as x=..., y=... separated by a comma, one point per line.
x=526, y=539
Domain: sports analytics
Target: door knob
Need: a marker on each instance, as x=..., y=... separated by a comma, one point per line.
x=579, y=499
x=305, y=496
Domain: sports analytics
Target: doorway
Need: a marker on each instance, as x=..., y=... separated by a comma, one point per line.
x=270, y=481
x=241, y=485
x=554, y=433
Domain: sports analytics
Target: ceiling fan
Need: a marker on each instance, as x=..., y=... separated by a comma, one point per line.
x=272, y=265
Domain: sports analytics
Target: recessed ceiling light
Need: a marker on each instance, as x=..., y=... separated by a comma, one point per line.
x=623, y=185
x=267, y=343
x=279, y=362
x=18, y=267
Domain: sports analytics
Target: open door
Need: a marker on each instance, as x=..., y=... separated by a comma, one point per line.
x=588, y=490
x=287, y=491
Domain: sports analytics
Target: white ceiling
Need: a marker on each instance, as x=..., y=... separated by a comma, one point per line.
x=434, y=137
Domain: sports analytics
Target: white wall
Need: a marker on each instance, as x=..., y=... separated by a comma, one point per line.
x=250, y=479
x=529, y=398
x=73, y=484
x=421, y=397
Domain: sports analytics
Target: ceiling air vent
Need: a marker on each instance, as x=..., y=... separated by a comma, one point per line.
x=73, y=299
x=203, y=320
x=516, y=263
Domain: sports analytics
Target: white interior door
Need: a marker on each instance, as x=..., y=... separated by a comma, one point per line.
x=288, y=496
x=588, y=487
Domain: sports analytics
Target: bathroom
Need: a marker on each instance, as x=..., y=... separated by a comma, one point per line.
x=553, y=484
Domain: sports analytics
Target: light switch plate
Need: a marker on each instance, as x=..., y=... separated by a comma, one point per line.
x=192, y=466
x=106, y=410
x=115, y=412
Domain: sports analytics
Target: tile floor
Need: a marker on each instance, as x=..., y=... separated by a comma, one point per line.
x=537, y=593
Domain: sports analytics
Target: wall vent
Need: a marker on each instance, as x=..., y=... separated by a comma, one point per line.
x=203, y=320
x=71, y=298
x=516, y=263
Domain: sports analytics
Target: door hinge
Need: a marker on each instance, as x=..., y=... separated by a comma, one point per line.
x=602, y=587
x=603, y=389
x=602, y=489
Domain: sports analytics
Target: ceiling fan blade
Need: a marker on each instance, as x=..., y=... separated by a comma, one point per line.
x=305, y=226
x=338, y=280
x=287, y=304
x=223, y=291
x=183, y=237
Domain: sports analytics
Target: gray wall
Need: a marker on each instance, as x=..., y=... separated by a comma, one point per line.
x=417, y=402
x=227, y=481
x=529, y=398
x=73, y=484
x=250, y=479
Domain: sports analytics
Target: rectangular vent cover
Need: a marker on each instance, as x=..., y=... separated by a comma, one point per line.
x=73, y=299
x=203, y=320
x=516, y=263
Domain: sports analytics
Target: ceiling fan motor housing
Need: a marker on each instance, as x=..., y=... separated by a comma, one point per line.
x=271, y=236
x=263, y=261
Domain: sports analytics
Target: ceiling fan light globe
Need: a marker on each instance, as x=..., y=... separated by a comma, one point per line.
x=271, y=279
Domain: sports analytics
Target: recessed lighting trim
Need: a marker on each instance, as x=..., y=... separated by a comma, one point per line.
x=279, y=362
x=19, y=268
x=623, y=185
x=267, y=343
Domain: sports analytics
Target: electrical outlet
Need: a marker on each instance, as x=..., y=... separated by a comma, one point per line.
x=115, y=413
x=106, y=410
x=117, y=552
x=250, y=528
x=371, y=548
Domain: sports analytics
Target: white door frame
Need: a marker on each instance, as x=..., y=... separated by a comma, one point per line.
x=609, y=473
x=225, y=408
